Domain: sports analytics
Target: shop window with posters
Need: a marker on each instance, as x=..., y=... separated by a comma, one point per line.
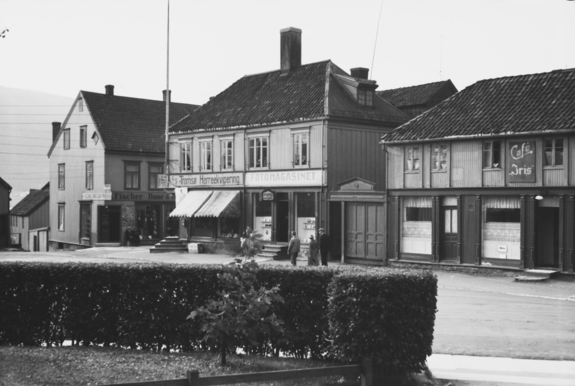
x=228, y=227
x=202, y=227
x=147, y=221
x=305, y=216
x=263, y=218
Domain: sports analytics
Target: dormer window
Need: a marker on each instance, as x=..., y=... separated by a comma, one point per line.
x=365, y=97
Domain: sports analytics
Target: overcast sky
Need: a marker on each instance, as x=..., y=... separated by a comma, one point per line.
x=63, y=46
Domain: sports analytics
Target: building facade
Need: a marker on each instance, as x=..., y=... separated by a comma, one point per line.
x=29, y=221
x=271, y=152
x=487, y=178
x=5, y=190
x=105, y=164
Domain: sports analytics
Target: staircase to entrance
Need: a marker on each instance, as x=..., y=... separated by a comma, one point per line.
x=170, y=244
x=276, y=251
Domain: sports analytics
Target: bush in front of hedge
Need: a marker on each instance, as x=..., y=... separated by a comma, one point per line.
x=386, y=315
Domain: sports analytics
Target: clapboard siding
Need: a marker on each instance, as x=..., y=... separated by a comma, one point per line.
x=466, y=164
x=395, y=167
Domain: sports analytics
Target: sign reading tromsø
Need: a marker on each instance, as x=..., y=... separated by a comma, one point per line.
x=521, y=161
x=191, y=180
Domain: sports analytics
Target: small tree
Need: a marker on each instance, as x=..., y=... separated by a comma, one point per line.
x=242, y=311
x=251, y=243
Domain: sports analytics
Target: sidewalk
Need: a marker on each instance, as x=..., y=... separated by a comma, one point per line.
x=502, y=371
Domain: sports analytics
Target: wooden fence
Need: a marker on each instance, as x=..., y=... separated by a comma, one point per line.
x=365, y=370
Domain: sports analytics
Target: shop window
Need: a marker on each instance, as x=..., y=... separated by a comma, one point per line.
x=154, y=172
x=61, y=216
x=205, y=156
x=131, y=175
x=553, y=152
x=417, y=214
x=502, y=215
x=89, y=175
x=365, y=97
x=148, y=217
x=228, y=227
x=83, y=136
x=66, y=139
x=305, y=206
x=203, y=226
x=258, y=152
x=227, y=152
x=492, y=155
x=61, y=176
x=263, y=217
x=301, y=149
x=439, y=157
x=412, y=158
x=185, y=156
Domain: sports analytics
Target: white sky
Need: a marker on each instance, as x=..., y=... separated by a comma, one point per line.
x=63, y=46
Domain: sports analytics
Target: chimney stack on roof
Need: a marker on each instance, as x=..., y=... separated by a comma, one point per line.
x=290, y=46
x=109, y=89
x=55, y=130
x=360, y=72
x=169, y=94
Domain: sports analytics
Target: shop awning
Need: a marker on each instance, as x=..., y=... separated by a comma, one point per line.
x=222, y=203
x=191, y=203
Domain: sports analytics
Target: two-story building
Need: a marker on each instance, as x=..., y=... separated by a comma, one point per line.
x=105, y=163
x=29, y=221
x=487, y=177
x=294, y=149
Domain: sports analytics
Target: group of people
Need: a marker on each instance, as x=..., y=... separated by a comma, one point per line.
x=323, y=246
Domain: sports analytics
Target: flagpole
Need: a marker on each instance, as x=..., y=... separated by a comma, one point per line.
x=168, y=97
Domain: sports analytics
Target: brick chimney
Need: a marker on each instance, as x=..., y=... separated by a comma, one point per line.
x=109, y=89
x=55, y=130
x=290, y=49
x=169, y=95
x=360, y=72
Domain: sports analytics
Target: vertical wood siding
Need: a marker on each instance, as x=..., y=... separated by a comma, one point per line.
x=413, y=180
x=40, y=218
x=395, y=167
x=569, y=231
x=439, y=180
x=4, y=200
x=470, y=229
x=554, y=177
x=494, y=177
x=392, y=227
x=426, y=165
x=466, y=164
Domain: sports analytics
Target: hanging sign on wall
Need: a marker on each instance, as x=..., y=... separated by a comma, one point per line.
x=521, y=161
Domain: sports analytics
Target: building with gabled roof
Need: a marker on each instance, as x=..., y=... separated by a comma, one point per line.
x=282, y=143
x=29, y=221
x=105, y=162
x=414, y=100
x=5, y=190
x=487, y=177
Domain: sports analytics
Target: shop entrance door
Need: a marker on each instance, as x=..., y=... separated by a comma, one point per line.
x=282, y=221
x=109, y=228
x=364, y=232
x=448, y=226
x=547, y=237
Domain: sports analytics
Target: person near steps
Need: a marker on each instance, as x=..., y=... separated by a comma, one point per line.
x=324, y=246
x=293, y=248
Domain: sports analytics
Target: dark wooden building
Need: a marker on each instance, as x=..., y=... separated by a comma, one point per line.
x=5, y=190
x=487, y=177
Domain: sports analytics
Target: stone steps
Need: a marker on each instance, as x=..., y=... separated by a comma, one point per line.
x=533, y=275
x=170, y=244
x=276, y=251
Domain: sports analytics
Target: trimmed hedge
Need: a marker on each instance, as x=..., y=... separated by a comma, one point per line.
x=348, y=312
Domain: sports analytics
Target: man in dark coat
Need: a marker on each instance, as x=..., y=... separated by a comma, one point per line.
x=293, y=248
x=324, y=245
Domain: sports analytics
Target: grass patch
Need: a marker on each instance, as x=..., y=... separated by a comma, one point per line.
x=27, y=366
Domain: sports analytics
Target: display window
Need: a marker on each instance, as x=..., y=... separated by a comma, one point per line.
x=305, y=216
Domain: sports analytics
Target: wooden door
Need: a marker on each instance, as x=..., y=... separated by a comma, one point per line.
x=364, y=236
x=449, y=230
x=109, y=224
x=547, y=238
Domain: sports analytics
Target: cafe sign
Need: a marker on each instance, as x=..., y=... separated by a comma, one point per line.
x=521, y=161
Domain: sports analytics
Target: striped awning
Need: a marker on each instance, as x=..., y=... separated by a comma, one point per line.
x=191, y=203
x=222, y=203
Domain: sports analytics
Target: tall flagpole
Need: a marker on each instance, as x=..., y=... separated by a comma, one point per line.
x=168, y=97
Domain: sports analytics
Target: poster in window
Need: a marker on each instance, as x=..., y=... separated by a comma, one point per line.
x=521, y=161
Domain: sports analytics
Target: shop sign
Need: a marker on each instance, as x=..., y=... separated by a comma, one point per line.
x=267, y=195
x=521, y=161
x=143, y=196
x=285, y=178
x=205, y=180
x=96, y=196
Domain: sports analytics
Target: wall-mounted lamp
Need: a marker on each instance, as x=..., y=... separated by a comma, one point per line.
x=539, y=197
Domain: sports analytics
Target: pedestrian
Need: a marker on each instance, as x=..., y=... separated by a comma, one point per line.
x=312, y=256
x=324, y=246
x=293, y=248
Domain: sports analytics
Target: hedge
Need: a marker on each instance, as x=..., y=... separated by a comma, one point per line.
x=347, y=312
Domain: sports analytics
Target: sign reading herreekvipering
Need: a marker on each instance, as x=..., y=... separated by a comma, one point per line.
x=192, y=180
x=521, y=161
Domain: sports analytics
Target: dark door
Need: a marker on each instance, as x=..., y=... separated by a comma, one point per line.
x=364, y=230
x=547, y=237
x=354, y=230
x=109, y=227
x=282, y=221
x=448, y=226
x=85, y=222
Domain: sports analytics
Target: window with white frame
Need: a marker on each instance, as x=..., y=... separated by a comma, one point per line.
x=154, y=172
x=365, y=97
x=61, y=216
x=301, y=148
x=206, y=155
x=258, y=152
x=439, y=157
x=412, y=158
x=66, y=139
x=553, y=152
x=131, y=175
x=89, y=175
x=61, y=176
x=492, y=155
x=185, y=156
x=83, y=136
x=227, y=153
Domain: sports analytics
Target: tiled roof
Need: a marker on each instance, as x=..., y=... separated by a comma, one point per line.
x=503, y=106
x=414, y=95
x=29, y=203
x=267, y=98
x=132, y=124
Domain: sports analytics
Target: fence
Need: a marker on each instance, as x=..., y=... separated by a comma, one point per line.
x=365, y=370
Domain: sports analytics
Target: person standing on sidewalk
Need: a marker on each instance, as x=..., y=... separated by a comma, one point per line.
x=312, y=256
x=324, y=246
x=293, y=248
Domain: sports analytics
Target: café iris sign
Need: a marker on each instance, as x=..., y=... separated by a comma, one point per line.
x=521, y=161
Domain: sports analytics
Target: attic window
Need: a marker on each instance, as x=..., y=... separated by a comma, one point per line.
x=95, y=137
x=365, y=97
x=80, y=104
